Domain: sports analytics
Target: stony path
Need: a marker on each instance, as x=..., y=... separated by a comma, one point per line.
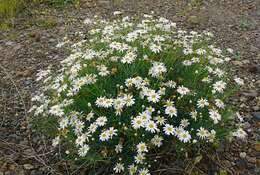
x=30, y=46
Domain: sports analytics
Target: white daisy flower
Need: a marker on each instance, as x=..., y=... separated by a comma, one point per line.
x=171, y=111
x=129, y=57
x=168, y=129
x=187, y=51
x=219, y=86
x=139, y=158
x=153, y=97
x=132, y=169
x=129, y=100
x=194, y=115
x=202, y=133
x=83, y=150
x=184, y=136
x=201, y=51
x=170, y=84
x=103, y=70
x=112, y=132
x=129, y=82
x=184, y=123
x=104, y=102
x=187, y=63
x=119, y=103
x=56, y=141
x=56, y=110
x=118, y=148
x=64, y=123
x=202, y=103
x=219, y=104
x=177, y=131
x=141, y=147
x=101, y=121
x=156, y=48
x=92, y=128
x=89, y=116
x=168, y=103
x=157, y=69
x=240, y=133
x=212, y=135
x=183, y=90
x=80, y=140
x=146, y=116
x=162, y=90
x=160, y=120
x=157, y=140
x=195, y=60
x=79, y=126
x=137, y=122
x=144, y=171
x=149, y=110
x=218, y=72
x=151, y=126
x=214, y=115
x=119, y=168
x=104, y=136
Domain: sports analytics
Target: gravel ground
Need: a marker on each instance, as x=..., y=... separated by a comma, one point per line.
x=30, y=46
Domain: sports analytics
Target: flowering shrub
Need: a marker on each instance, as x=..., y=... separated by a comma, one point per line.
x=134, y=88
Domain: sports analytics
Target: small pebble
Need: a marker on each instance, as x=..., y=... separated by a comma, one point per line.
x=28, y=166
x=242, y=155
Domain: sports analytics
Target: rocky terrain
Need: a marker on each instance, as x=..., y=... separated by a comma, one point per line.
x=30, y=46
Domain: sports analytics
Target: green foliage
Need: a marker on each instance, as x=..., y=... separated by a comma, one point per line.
x=188, y=6
x=8, y=8
x=57, y=2
x=223, y=172
x=196, y=3
x=4, y=25
x=46, y=23
x=138, y=88
x=45, y=125
x=245, y=24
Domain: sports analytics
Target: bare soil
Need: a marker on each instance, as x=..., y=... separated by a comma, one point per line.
x=30, y=46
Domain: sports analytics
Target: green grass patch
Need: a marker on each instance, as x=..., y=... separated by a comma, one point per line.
x=57, y=3
x=45, y=23
x=8, y=10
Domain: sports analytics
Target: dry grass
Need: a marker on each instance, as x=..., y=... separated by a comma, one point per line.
x=8, y=8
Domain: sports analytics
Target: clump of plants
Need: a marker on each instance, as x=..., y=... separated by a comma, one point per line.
x=8, y=10
x=133, y=88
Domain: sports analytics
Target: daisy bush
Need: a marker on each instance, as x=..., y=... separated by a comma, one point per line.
x=133, y=88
